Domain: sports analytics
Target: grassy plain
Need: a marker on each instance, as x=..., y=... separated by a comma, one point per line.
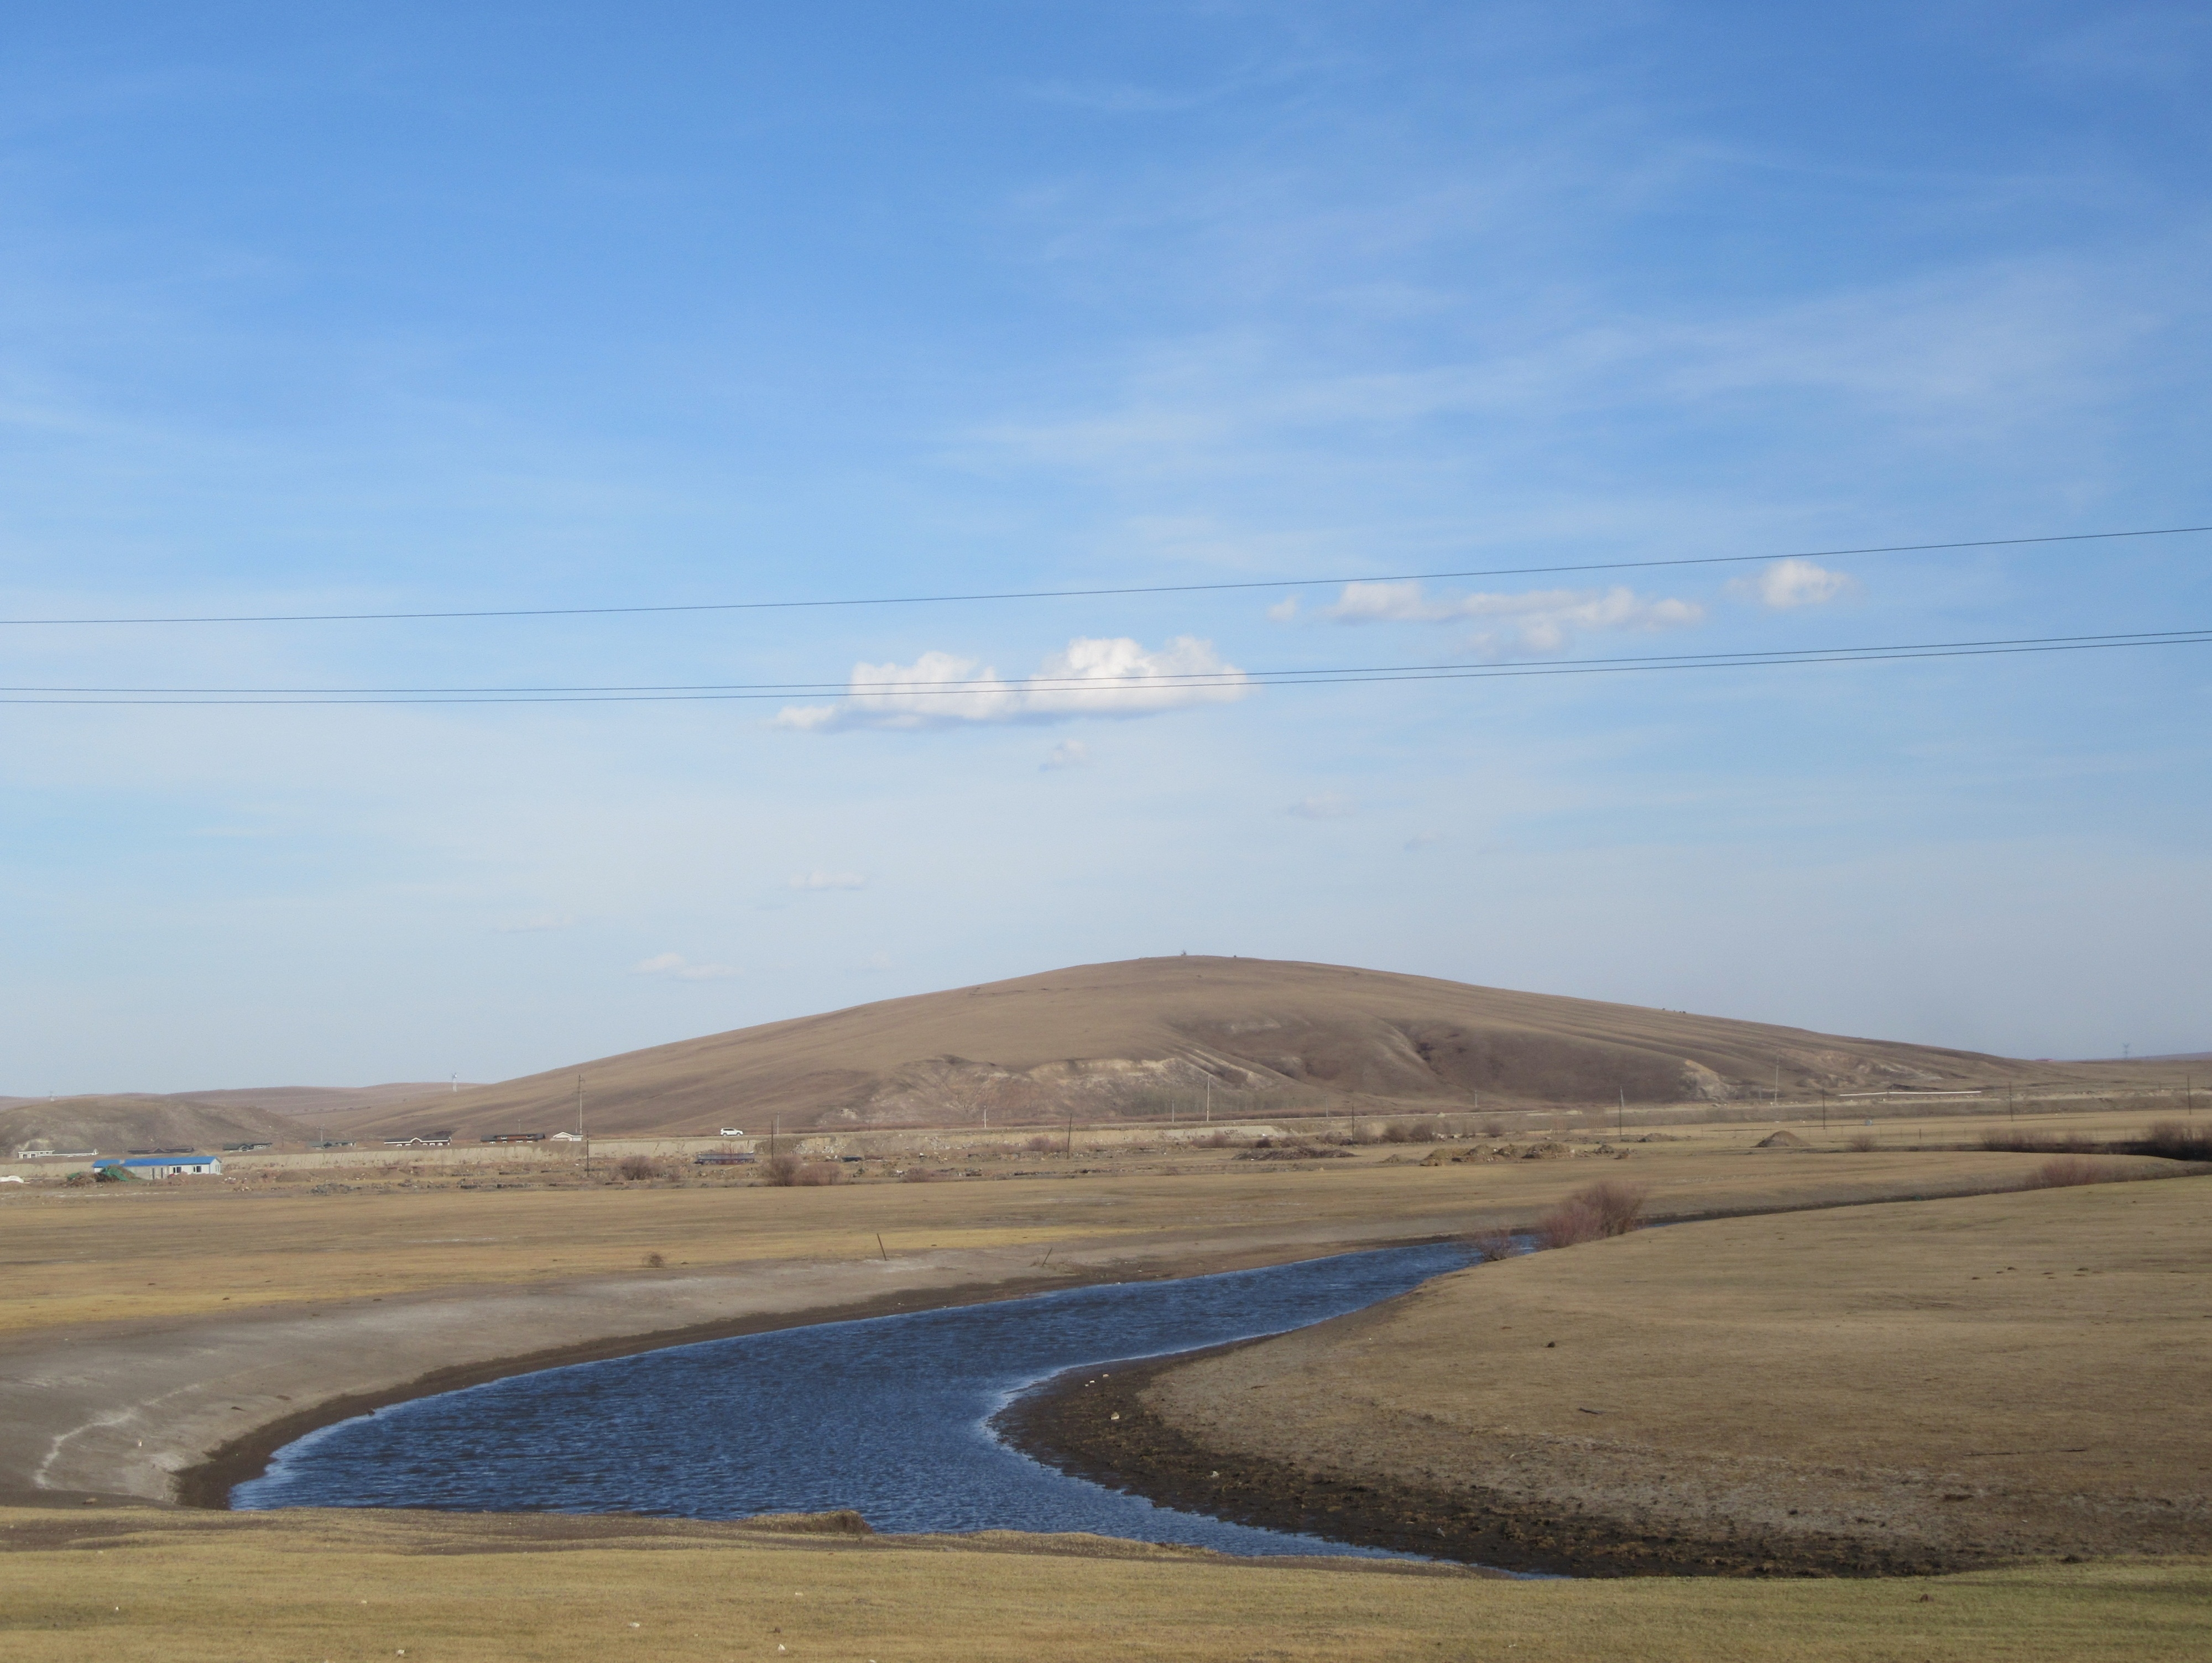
x=194, y=1247
x=1993, y=1375
x=166, y=1588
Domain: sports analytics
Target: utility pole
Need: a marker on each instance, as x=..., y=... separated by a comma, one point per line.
x=587, y=1142
x=774, y=1125
x=1071, y=1133
x=1824, y=1111
x=1209, y=1100
x=1620, y=1124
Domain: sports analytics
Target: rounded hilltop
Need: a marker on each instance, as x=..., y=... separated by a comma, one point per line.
x=1147, y=1037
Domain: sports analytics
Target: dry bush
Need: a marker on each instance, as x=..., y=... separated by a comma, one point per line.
x=2068, y=1170
x=917, y=1175
x=1216, y=1140
x=1043, y=1143
x=637, y=1168
x=1861, y=1141
x=818, y=1174
x=1410, y=1131
x=1491, y=1245
x=1493, y=1129
x=1619, y=1207
x=1591, y=1215
x=654, y=1261
x=1569, y=1224
x=2177, y=1140
x=780, y=1170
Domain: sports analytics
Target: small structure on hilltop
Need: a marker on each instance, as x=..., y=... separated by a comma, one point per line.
x=421, y=1140
x=515, y=1137
x=166, y=1166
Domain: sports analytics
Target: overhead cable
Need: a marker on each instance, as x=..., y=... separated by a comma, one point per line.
x=1099, y=593
x=1227, y=678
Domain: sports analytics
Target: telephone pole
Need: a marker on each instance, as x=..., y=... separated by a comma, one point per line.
x=587, y=1142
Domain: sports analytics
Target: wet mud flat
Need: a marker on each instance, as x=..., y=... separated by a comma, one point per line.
x=1094, y=1423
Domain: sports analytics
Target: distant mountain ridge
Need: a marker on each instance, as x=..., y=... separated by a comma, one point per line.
x=117, y=1124
x=1121, y=1040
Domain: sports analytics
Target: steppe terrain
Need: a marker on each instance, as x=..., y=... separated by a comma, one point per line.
x=163, y=1323
x=1258, y=1037
x=143, y=1587
x=1796, y=1375
x=1947, y=1384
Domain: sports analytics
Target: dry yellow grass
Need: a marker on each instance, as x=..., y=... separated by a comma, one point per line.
x=172, y=1588
x=2003, y=1373
x=201, y=1246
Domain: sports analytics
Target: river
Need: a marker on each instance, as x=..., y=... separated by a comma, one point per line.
x=886, y=1415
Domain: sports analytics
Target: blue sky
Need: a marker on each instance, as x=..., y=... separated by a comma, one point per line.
x=416, y=308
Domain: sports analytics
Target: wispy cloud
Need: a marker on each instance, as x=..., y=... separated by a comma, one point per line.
x=1537, y=621
x=1792, y=583
x=530, y=923
x=1420, y=841
x=1067, y=754
x=1322, y=806
x=680, y=969
x=1092, y=677
x=822, y=880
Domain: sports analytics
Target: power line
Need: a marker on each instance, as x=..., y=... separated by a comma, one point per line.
x=1185, y=682
x=1082, y=594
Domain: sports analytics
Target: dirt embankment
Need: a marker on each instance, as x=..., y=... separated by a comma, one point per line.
x=1908, y=1389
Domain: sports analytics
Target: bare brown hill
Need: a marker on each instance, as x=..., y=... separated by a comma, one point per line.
x=1262, y=1036
x=117, y=1124
x=319, y=1100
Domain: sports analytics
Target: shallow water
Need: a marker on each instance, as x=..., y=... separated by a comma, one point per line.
x=886, y=1415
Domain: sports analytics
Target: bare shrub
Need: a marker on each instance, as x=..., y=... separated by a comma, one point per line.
x=1861, y=1141
x=654, y=1261
x=637, y=1168
x=2177, y=1140
x=917, y=1175
x=2066, y=1170
x=1410, y=1131
x=1592, y=1214
x=1619, y=1207
x=1043, y=1143
x=818, y=1174
x=1569, y=1224
x=1491, y=1245
x=780, y=1170
x=1493, y=1129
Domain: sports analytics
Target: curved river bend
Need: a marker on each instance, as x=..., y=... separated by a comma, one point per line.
x=886, y=1415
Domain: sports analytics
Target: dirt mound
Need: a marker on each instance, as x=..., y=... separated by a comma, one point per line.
x=1782, y=1140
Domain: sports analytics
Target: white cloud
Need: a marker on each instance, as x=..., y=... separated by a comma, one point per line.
x=1284, y=609
x=530, y=923
x=822, y=880
x=1067, y=754
x=1793, y=582
x=681, y=968
x=1092, y=677
x=1420, y=841
x=1322, y=806
x=1537, y=621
